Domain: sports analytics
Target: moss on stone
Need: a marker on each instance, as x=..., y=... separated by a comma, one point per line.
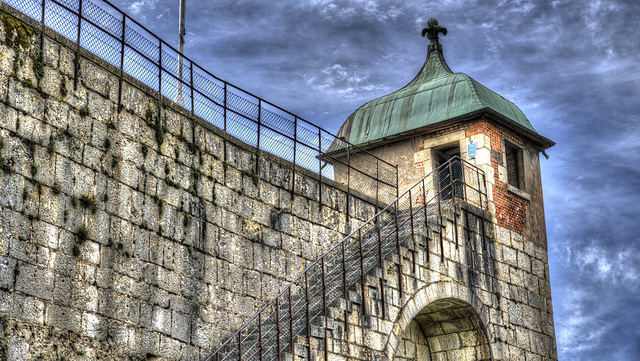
x=37, y=66
x=17, y=33
x=63, y=87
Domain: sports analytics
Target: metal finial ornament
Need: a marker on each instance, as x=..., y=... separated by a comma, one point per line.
x=433, y=30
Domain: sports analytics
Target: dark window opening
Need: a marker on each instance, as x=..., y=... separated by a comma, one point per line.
x=449, y=187
x=515, y=170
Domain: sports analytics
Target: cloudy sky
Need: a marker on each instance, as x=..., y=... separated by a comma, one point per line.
x=571, y=66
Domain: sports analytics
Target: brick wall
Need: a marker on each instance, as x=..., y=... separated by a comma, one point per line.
x=510, y=209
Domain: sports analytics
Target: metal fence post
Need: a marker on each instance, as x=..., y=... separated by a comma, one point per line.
x=345, y=292
x=377, y=184
x=397, y=210
x=79, y=22
x=224, y=110
x=193, y=109
x=77, y=59
x=440, y=215
x=122, y=48
x=464, y=182
x=42, y=27
x=479, y=190
x=278, y=324
x=295, y=147
x=160, y=70
x=364, y=302
x=486, y=194
x=306, y=289
x=258, y=140
x=413, y=238
x=260, y=334
x=324, y=306
x=453, y=200
x=240, y=346
x=42, y=31
x=411, y=215
x=320, y=168
x=382, y=297
x=291, y=322
x=348, y=212
x=397, y=184
x=426, y=215
x=43, y=7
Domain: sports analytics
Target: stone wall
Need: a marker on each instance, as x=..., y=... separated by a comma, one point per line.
x=129, y=228
x=490, y=298
x=487, y=298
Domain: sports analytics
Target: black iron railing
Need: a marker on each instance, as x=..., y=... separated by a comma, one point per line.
x=111, y=34
x=108, y=32
x=297, y=309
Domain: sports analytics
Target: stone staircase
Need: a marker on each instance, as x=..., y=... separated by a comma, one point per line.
x=348, y=282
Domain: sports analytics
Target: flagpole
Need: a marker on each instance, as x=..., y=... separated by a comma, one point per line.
x=181, y=33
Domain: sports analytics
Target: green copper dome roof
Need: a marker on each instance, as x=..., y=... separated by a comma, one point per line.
x=434, y=96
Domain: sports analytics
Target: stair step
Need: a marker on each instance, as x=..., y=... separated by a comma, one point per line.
x=354, y=297
x=322, y=321
x=317, y=331
x=342, y=304
x=411, y=241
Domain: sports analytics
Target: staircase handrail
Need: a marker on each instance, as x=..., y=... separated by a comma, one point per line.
x=355, y=232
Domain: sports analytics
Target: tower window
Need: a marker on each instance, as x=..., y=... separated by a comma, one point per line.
x=515, y=168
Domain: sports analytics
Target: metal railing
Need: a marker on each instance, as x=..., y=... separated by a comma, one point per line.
x=108, y=32
x=272, y=331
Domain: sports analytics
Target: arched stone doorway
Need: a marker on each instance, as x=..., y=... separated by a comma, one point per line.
x=445, y=330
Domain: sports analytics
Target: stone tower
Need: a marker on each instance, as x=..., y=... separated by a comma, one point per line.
x=132, y=228
x=439, y=115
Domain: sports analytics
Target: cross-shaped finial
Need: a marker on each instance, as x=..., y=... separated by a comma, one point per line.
x=433, y=30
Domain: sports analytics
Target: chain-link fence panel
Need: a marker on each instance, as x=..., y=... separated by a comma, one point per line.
x=102, y=19
x=31, y=8
x=141, y=68
x=101, y=43
x=208, y=110
x=61, y=20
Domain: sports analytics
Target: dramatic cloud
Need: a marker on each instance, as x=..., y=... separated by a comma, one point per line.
x=571, y=65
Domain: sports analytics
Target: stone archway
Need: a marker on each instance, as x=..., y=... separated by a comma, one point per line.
x=441, y=322
x=446, y=329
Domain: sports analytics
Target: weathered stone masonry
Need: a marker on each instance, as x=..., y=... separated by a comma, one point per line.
x=130, y=231
x=500, y=283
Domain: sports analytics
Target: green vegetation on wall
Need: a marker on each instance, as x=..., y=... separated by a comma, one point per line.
x=17, y=33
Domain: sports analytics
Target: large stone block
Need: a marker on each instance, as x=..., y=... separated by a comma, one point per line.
x=161, y=320
x=18, y=349
x=7, y=58
x=84, y=297
x=194, y=290
x=509, y=256
x=33, y=310
x=98, y=79
x=170, y=348
x=12, y=186
x=118, y=334
x=63, y=317
x=7, y=272
x=8, y=116
x=35, y=281
x=34, y=130
x=181, y=327
x=201, y=334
